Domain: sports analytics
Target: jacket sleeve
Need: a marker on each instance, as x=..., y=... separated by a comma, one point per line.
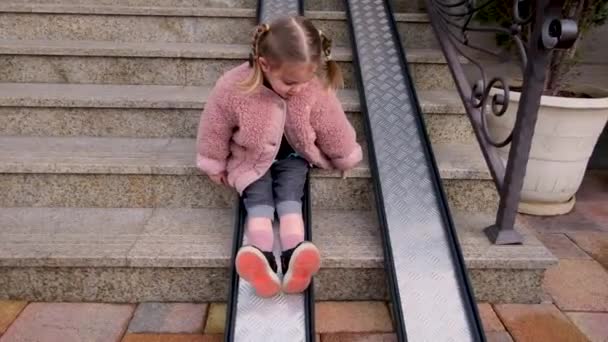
x=215, y=132
x=336, y=137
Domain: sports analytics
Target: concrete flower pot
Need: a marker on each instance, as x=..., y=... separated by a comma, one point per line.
x=565, y=135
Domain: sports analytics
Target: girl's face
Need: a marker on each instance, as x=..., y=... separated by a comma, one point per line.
x=290, y=78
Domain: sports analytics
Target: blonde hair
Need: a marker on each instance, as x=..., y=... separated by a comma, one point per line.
x=291, y=39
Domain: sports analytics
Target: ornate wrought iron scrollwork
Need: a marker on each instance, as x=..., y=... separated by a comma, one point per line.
x=533, y=28
x=456, y=21
x=500, y=102
x=457, y=24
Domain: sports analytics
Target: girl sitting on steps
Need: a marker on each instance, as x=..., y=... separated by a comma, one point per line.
x=265, y=124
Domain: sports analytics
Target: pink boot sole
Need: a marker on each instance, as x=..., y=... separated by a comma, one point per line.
x=304, y=264
x=252, y=266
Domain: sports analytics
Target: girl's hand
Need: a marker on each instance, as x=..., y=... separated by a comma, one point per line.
x=220, y=178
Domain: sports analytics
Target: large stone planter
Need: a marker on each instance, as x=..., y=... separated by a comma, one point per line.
x=566, y=133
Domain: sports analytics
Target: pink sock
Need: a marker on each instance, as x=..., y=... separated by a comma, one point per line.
x=292, y=231
x=260, y=234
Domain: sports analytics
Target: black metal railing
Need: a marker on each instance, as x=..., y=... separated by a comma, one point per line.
x=533, y=29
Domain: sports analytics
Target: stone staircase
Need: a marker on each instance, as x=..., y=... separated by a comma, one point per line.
x=101, y=200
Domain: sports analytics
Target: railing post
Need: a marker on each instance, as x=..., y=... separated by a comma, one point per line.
x=452, y=21
x=547, y=12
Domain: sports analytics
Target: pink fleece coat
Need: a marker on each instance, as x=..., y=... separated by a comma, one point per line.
x=240, y=133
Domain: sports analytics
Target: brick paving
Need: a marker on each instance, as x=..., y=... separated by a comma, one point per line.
x=594, y=243
x=216, y=318
x=8, y=312
x=578, y=285
x=493, y=327
x=540, y=322
x=358, y=337
x=491, y=322
x=594, y=325
x=172, y=338
x=173, y=318
x=50, y=322
x=336, y=317
x=69, y=322
x=576, y=308
x=563, y=247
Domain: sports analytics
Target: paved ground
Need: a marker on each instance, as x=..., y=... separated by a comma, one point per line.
x=576, y=307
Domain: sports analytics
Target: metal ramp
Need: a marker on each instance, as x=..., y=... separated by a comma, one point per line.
x=284, y=318
x=432, y=297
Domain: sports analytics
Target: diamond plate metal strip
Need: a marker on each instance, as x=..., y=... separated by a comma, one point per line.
x=284, y=317
x=269, y=10
x=426, y=271
x=281, y=318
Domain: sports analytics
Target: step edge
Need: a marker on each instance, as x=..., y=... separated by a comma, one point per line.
x=197, y=98
x=120, y=169
x=181, y=11
x=536, y=255
x=225, y=263
x=119, y=10
x=148, y=162
x=90, y=48
x=174, y=50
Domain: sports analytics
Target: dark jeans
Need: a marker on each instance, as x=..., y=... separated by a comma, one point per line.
x=281, y=188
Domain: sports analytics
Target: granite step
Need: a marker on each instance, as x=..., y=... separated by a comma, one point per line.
x=165, y=63
x=316, y=5
x=92, y=62
x=144, y=173
x=148, y=3
x=126, y=24
x=135, y=255
x=169, y=111
x=173, y=24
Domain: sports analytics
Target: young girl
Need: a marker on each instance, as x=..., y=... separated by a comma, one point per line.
x=265, y=123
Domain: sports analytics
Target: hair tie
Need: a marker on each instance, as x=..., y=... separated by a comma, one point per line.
x=325, y=46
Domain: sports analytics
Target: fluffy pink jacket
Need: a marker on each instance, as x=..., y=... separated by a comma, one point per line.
x=240, y=133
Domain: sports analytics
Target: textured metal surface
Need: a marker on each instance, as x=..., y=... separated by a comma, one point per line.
x=432, y=298
x=279, y=319
x=272, y=9
x=283, y=317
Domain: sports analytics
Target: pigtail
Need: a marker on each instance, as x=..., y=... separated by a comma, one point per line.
x=256, y=77
x=333, y=73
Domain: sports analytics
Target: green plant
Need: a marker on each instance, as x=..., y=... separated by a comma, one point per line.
x=497, y=12
x=587, y=13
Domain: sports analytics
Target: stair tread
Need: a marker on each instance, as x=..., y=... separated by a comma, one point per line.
x=122, y=49
x=114, y=237
x=112, y=155
x=87, y=237
x=128, y=10
x=159, y=96
x=170, y=50
x=102, y=95
x=179, y=11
